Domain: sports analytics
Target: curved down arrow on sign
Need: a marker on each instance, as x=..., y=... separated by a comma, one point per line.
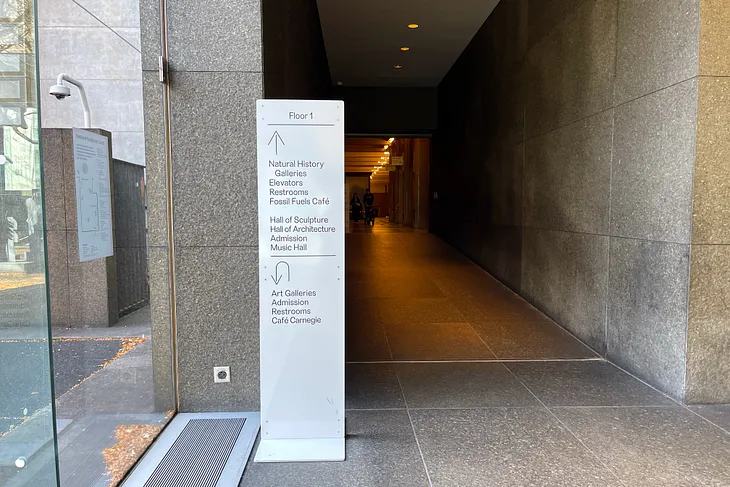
x=278, y=276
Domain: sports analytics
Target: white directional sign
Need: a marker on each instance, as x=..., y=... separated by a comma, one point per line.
x=301, y=173
x=93, y=195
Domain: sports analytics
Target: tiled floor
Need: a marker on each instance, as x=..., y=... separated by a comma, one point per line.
x=453, y=380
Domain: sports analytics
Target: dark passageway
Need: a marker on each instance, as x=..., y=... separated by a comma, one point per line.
x=454, y=380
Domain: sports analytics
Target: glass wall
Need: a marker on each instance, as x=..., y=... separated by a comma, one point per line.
x=109, y=320
x=27, y=439
x=86, y=376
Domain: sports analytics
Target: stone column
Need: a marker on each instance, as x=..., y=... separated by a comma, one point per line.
x=708, y=335
x=215, y=77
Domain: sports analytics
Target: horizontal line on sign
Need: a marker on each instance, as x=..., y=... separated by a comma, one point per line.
x=295, y=256
x=301, y=125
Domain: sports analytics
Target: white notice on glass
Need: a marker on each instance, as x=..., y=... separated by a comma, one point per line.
x=93, y=195
x=301, y=177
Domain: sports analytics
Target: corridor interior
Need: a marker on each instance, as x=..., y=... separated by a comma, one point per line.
x=453, y=380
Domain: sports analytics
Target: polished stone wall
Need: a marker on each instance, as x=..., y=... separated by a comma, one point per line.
x=216, y=76
x=295, y=58
x=566, y=166
x=708, y=347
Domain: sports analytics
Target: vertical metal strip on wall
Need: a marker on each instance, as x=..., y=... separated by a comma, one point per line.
x=164, y=79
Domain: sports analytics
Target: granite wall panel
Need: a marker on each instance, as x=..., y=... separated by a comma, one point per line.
x=647, y=311
x=568, y=177
x=708, y=337
x=215, y=36
x=217, y=325
x=658, y=45
x=654, y=150
x=711, y=216
x=564, y=274
x=214, y=158
x=216, y=75
x=603, y=99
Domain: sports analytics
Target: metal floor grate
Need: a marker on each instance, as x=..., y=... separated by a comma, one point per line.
x=198, y=450
x=199, y=454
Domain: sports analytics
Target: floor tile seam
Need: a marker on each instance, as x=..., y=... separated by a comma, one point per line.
x=420, y=450
x=476, y=361
x=618, y=406
x=477, y=408
x=562, y=424
x=482, y=340
x=402, y=390
x=101, y=338
x=387, y=341
x=413, y=428
x=375, y=409
x=673, y=400
x=689, y=408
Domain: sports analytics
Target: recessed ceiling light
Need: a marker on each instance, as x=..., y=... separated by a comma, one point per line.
x=405, y=48
x=413, y=26
x=397, y=66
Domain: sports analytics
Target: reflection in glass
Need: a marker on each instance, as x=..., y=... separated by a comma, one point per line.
x=111, y=340
x=27, y=440
x=85, y=417
x=107, y=397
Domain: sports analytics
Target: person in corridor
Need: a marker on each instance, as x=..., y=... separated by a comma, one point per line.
x=355, y=207
x=369, y=200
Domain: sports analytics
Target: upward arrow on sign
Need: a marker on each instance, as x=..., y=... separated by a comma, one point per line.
x=276, y=138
